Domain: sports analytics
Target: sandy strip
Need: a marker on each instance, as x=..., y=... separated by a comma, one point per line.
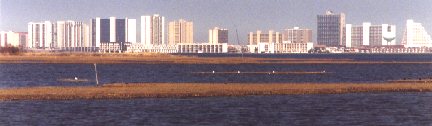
x=175, y=90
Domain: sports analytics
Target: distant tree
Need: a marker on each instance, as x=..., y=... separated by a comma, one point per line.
x=10, y=50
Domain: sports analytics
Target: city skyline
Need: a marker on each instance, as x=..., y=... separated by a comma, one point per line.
x=245, y=16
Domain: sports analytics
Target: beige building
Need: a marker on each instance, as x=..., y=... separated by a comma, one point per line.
x=218, y=35
x=297, y=35
x=15, y=39
x=180, y=31
x=415, y=35
x=260, y=37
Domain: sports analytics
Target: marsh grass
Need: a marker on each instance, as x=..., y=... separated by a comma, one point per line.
x=173, y=90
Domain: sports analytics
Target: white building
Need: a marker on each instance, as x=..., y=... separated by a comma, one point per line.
x=131, y=30
x=281, y=47
x=60, y=36
x=370, y=35
x=140, y=47
x=15, y=39
x=218, y=35
x=71, y=36
x=415, y=35
x=153, y=30
x=202, y=48
x=40, y=35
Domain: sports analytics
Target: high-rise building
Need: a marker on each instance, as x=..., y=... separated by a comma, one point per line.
x=370, y=35
x=330, y=29
x=259, y=37
x=153, y=30
x=60, y=35
x=415, y=35
x=297, y=35
x=131, y=30
x=218, y=35
x=180, y=31
x=112, y=30
x=15, y=39
x=40, y=35
x=70, y=35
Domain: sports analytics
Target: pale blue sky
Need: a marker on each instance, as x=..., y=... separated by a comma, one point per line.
x=243, y=15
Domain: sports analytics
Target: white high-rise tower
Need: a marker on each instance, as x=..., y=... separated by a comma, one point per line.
x=153, y=30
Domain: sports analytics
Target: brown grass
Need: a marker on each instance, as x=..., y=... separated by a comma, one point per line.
x=157, y=90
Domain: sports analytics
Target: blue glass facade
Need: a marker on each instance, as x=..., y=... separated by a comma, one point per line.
x=105, y=30
x=120, y=30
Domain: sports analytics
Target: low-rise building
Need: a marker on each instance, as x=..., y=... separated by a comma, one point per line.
x=202, y=48
x=139, y=47
x=281, y=47
x=114, y=47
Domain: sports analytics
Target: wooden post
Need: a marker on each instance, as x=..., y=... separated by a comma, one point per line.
x=97, y=80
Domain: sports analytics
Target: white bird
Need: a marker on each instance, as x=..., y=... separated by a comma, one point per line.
x=238, y=71
x=76, y=78
x=273, y=71
x=213, y=71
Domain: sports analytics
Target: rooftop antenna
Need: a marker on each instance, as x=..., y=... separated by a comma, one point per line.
x=241, y=48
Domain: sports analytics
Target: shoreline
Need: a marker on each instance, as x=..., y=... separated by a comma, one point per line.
x=180, y=90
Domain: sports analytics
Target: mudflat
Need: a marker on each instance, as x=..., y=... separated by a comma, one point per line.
x=174, y=90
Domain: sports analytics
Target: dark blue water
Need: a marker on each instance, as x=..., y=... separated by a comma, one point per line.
x=342, y=109
x=18, y=75
x=356, y=57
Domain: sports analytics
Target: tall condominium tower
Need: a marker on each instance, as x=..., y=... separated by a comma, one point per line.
x=131, y=30
x=70, y=35
x=40, y=35
x=415, y=35
x=297, y=35
x=112, y=30
x=153, y=30
x=180, y=31
x=218, y=35
x=370, y=35
x=330, y=29
x=60, y=35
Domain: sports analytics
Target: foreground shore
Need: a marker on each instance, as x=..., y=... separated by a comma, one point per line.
x=175, y=90
x=149, y=58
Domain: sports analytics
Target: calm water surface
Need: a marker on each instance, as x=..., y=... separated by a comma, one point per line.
x=338, y=109
x=341, y=109
x=19, y=75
